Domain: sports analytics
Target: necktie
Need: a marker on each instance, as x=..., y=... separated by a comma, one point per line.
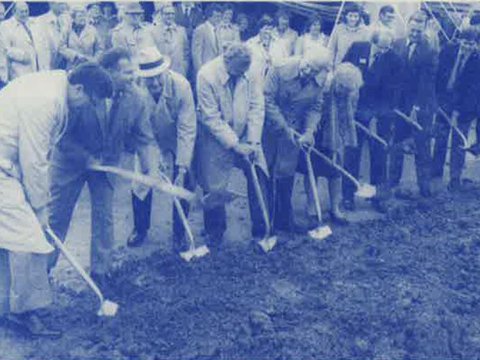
x=169, y=33
x=232, y=82
x=29, y=33
x=457, y=68
x=411, y=50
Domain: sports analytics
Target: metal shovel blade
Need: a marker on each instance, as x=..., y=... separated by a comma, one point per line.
x=199, y=252
x=108, y=308
x=320, y=233
x=268, y=243
x=366, y=191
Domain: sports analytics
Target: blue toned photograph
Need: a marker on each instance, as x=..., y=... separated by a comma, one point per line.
x=240, y=180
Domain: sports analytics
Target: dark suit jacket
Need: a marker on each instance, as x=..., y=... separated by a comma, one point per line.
x=418, y=76
x=382, y=79
x=188, y=22
x=465, y=96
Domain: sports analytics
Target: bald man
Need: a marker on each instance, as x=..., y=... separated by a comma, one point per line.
x=381, y=69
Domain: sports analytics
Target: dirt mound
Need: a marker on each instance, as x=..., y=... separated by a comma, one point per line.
x=406, y=287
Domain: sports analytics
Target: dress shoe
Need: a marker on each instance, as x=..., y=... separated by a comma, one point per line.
x=348, y=205
x=404, y=194
x=474, y=149
x=454, y=185
x=425, y=191
x=136, y=238
x=338, y=218
x=379, y=206
x=30, y=324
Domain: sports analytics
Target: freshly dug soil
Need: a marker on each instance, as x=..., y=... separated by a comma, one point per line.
x=406, y=287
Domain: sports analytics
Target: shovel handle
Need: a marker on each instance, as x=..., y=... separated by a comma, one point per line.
x=147, y=180
x=261, y=200
x=76, y=265
x=371, y=134
x=313, y=185
x=453, y=126
x=408, y=119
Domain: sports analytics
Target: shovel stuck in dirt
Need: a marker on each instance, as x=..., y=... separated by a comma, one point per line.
x=269, y=241
x=193, y=251
x=321, y=231
x=365, y=191
x=107, y=307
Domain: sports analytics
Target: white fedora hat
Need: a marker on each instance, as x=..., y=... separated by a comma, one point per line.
x=151, y=62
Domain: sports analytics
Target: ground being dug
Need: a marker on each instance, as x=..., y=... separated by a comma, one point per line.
x=403, y=287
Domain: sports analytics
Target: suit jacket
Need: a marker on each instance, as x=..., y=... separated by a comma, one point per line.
x=19, y=48
x=176, y=47
x=382, y=79
x=464, y=96
x=205, y=46
x=132, y=39
x=174, y=120
x=190, y=22
x=288, y=104
x=226, y=117
x=418, y=76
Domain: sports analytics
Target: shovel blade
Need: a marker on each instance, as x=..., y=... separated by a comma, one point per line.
x=268, y=243
x=195, y=253
x=108, y=308
x=366, y=191
x=320, y=233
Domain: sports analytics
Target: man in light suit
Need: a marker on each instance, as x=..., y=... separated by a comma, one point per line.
x=28, y=129
x=205, y=45
x=52, y=29
x=174, y=124
x=171, y=39
x=231, y=118
x=19, y=43
x=417, y=92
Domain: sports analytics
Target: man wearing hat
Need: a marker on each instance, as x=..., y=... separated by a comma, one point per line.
x=174, y=125
x=131, y=33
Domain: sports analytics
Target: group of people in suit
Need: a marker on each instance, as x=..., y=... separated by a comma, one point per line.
x=194, y=89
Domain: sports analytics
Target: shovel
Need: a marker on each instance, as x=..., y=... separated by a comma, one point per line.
x=321, y=231
x=107, y=307
x=269, y=241
x=409, y=119
x=166, y=187
x=455, y=128
x=365, y=191
x=371, y=134
x=193, y=251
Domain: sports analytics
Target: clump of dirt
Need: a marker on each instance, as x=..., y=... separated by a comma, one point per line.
x=406, y=287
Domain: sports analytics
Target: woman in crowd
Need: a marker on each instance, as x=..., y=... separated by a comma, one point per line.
x=313, y=37
x=352, y=29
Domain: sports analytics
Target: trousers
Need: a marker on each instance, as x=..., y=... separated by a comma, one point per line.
x=142, y=210
x=457, y=159
x=24, y=284
x=65, y=191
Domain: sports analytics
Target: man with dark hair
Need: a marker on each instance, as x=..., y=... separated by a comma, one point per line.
x=231, y=118
x=386, y=20
x=101, y=132
x=205, y=44
x=417, y=95
x=458, y=91
x=27, y=132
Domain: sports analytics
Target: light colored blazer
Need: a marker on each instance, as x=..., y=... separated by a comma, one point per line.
x=177, y=47
x=174, y=120
x=205, y=46
x=33, y=109
x=19, y=47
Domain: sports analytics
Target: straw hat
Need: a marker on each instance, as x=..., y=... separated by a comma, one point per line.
x=151, y=62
